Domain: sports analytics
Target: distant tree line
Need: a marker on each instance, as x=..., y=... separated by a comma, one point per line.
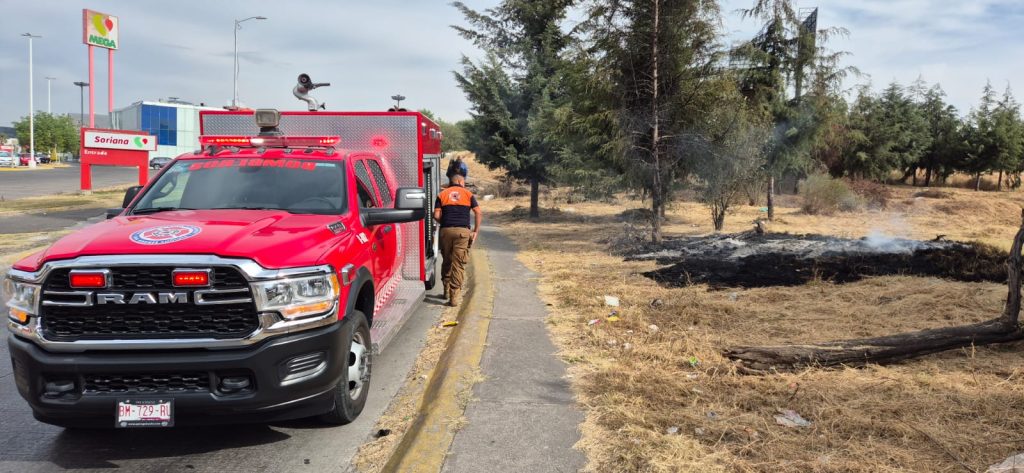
x=644, y=95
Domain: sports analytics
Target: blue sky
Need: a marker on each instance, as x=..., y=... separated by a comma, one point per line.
x=372, y=50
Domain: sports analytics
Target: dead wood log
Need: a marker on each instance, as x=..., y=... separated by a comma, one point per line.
x=891, y=348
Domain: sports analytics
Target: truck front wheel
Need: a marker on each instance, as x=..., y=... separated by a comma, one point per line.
x=350, y=393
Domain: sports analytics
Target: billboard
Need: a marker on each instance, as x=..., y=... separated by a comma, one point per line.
x=100, y=29
x=119, y=140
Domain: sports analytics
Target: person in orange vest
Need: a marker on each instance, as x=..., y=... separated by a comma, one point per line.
x=451, y=210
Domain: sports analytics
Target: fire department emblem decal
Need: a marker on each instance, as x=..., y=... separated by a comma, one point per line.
x=165, y=234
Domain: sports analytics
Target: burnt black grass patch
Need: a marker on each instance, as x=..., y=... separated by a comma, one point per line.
x=748, y=260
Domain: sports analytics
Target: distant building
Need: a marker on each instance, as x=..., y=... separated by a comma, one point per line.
x=102, y=121
x=174, y=123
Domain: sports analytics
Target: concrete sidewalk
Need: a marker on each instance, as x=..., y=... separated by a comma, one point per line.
x=522, y=417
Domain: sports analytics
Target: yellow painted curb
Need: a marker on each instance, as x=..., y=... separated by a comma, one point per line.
x=41, y=167
x=425, y=445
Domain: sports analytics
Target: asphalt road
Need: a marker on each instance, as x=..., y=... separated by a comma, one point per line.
x=295, y=446
x=18, y=184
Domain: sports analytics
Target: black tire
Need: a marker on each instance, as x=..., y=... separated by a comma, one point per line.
x=431, y=281
x=347, y=403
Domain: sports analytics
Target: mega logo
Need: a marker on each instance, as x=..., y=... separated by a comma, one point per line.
x=100, y=29
x=165, y=234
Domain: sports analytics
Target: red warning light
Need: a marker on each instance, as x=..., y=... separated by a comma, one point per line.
x=379, y=142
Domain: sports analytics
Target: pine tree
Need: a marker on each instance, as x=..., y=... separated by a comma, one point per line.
x=788, y=51
x=980, y=136
x=515, y=91
x=944, y=129
x=1008, y=134
x=662, y=67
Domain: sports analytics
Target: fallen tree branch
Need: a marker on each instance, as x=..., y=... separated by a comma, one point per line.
x=891, y=348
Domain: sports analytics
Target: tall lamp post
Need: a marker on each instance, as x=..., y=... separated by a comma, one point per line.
x=81, y=109
x=49, y=110
x=238, y=26
x=31, y=105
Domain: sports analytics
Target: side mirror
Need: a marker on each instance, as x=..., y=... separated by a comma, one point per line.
x=111, y=213
x=410, y=198
x=129, y=196
x=410, y=206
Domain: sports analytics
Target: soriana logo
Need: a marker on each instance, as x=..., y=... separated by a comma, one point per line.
x=129, y=141
x=100, y=29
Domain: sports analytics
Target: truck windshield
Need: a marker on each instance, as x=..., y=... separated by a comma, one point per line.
x=293, y=185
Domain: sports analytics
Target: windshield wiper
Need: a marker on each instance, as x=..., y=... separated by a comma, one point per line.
x=151, y=210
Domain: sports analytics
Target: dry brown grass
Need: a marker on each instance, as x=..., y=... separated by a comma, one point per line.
x=105, y=197
x=635, y=383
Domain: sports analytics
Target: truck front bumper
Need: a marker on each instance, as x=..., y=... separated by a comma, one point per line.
x=288, y=377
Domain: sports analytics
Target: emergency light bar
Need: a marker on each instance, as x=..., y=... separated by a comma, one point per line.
x=271, y=141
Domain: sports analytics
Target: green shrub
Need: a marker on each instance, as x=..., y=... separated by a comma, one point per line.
x=824, y=195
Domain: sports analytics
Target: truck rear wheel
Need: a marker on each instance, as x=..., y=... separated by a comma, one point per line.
x=350, y=393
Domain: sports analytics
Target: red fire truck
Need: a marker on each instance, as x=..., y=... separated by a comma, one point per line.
x=251, y=280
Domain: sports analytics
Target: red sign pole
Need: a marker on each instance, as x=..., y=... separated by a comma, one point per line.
x=110, y=85
x=85, y=170
x=92, y=89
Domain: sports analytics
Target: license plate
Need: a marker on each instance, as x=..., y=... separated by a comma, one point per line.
x=145, y=413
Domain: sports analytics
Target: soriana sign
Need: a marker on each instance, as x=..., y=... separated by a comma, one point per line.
x=101, y=147
x=100, y=29
x=119, y=140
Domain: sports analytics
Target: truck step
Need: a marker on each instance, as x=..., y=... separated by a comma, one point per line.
x=407, y=297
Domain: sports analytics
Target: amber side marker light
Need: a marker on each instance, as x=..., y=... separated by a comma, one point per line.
x=19, y=316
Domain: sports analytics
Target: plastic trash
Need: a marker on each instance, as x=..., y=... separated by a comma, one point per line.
x=1012, y=464
x=672, y=430
x=789, y=418
x=450, y=323
x=594, y=322
x=611, y=301
x=613, y=318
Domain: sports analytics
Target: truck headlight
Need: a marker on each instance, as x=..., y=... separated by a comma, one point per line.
x=297, y=297
x=22, y=299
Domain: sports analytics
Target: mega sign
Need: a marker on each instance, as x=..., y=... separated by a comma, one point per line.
x=130, y=141
x=100, y=29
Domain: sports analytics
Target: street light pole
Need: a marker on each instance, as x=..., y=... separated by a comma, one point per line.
x=238, y=26
x=81, y=109
x=31, y=105
x=49, y=110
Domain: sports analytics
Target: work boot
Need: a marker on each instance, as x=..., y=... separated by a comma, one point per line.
x=453, y=300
